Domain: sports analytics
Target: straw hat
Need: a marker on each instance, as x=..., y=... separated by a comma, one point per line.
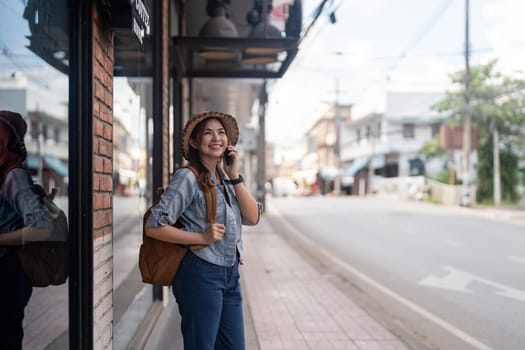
x=228, y=121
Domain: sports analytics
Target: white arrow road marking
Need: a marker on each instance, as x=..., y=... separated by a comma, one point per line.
x=454, y=280
x=516, y=259
x=458, y=281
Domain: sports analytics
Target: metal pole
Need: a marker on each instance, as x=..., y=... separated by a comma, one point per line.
x=337, y=120
x=467, y=119
x=371, y=168
x=261, y=149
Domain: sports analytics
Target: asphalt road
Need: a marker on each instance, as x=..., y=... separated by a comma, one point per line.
x=456, y=280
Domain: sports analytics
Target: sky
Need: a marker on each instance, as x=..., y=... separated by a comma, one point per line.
x=378, y=46
x=375, y=46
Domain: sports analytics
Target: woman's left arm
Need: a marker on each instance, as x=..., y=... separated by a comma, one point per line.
x=249, y=207
x=247, y=204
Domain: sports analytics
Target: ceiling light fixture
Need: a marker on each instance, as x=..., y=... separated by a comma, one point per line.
x=258, y=17
x=218, y=26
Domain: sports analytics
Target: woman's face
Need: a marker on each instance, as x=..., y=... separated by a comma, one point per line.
x=211, y=141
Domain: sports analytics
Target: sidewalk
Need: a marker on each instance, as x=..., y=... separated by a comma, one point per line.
x=290, y=304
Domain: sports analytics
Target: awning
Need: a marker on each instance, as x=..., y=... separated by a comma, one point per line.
x=32, y=161
x=50, y=161
x=57, y=165
x=356, y=165
x=377, y=162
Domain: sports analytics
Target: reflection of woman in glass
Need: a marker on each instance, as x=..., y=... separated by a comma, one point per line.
x=19, y=207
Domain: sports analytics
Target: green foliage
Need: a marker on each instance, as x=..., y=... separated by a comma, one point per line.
x=444, y=177
x=496, y=102
x=508, y=169
x=485, y=172
x=432, y=149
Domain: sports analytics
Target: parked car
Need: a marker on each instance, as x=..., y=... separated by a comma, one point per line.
x=347, y=182
x=283, y=186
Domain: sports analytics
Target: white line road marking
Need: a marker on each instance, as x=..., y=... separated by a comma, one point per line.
x=516, y=259
x=458, y=281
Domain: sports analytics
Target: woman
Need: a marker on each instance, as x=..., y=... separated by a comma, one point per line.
x=207, y=285
x=19, y=207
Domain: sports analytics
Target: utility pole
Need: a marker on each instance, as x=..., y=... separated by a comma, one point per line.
x=467, y=119
x=261, y=146
x=372, y=141
x=497, y=168
x=337, y=148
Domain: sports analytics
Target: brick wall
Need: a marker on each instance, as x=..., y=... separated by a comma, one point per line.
x=102, y=182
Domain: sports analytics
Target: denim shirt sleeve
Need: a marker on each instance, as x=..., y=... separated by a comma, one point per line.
x=18, y=193
x=174, y=202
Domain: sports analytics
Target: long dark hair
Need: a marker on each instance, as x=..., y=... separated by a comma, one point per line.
x=204, y=178
x=13, y=151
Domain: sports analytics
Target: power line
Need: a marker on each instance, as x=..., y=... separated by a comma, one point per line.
x=421, y=34
x=396, y=57
x=7, y=53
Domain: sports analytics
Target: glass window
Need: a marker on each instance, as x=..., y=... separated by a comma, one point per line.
x=34, y=42
x=435, y=128
x=408, y=131
x=132, y=115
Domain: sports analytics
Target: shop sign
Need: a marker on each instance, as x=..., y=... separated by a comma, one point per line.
x=140, y=20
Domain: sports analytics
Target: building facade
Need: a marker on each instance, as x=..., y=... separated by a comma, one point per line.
x=388, y=145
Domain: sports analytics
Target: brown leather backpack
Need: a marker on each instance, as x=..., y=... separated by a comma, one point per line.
x=159, y=260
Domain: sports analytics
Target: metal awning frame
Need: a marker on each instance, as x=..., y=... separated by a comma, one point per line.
x=185, y=48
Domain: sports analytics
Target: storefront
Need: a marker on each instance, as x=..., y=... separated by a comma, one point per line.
x=65, y=66
x=57, y=68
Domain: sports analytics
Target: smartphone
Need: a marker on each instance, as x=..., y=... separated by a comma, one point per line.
x=228, y=158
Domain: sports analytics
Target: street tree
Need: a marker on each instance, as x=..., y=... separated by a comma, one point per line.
x=498, y=112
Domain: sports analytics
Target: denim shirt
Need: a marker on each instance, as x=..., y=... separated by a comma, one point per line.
x=20, y=206
x=184, y=200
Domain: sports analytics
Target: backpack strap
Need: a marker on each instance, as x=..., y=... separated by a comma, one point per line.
x=211, y=198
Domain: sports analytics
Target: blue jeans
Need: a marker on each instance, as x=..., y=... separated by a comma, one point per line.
x=210, y=305
x=14, y=295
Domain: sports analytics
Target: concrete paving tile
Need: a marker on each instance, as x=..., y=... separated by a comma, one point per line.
x=295, y=344
x=343, y=345
x=271, y=344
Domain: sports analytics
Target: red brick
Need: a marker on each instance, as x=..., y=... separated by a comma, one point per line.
x=108, y=166
x=98, y=127
x=96, y=182
x=99, y=91
x=108, y=132
x=98, y=164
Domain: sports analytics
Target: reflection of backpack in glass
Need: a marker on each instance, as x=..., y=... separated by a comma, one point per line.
x=159, y=260
x=46, y=262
